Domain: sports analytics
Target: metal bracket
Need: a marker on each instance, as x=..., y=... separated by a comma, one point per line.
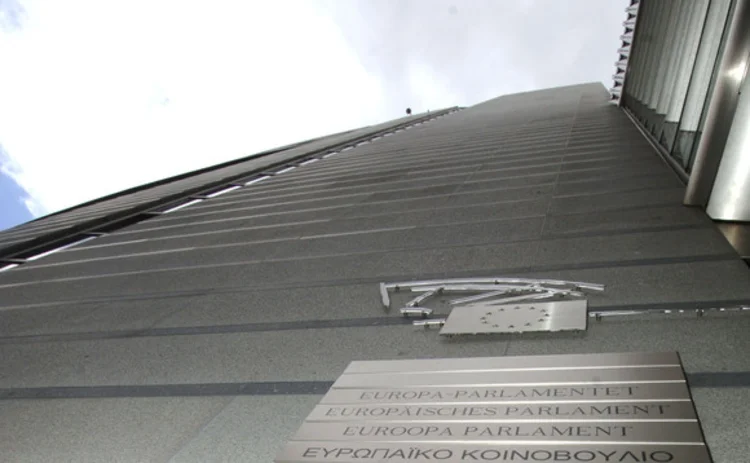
x=430, y=323
x=423, y=312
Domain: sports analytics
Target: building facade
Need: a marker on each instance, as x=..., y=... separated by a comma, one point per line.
x=202, y=317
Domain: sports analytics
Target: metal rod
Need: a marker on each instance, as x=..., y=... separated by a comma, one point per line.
x=579, y=284
x=699, y=312
x=465, y=288
x=522, y=297
x=422, y=297
x=384, y=297
x=546, y=294
x=479, y=297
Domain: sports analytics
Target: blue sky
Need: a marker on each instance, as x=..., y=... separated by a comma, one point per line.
x=14, y=211
x=97, y=96
x=12, y=195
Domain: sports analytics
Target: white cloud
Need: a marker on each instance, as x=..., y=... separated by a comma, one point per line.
x=97, y=96
x=105, y=95
x=429, y=91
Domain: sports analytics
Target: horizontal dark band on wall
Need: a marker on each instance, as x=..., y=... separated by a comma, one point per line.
x=719, y=379
x=678, y=305
x=435, y=174
x=359, y=189
x=737, y=379
x=365, y=322
x=183, y=221
x=547, y=238
x=170, y=390
x=544, y=236
x=203, y=217
x=430, y=276
x=211, y=329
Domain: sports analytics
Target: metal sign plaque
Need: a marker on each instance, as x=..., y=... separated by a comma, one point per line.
x=575, y=408
x=610, y=432
x=514, y=394
x=347, y=452
x=485, y=317
x=520, y=412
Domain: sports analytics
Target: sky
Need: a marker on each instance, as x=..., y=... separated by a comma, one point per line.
x=97, y=96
